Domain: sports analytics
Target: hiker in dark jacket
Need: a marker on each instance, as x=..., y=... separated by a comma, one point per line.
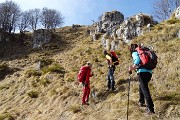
x=144, y=76
x=111, y=69
x=86, y=84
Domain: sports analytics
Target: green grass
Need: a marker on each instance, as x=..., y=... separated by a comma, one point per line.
x=44, y=81
x=45, y=62
x=173, y=21
x=6, y=116
x=54, y=68
x=31, y=73
x=33, y=94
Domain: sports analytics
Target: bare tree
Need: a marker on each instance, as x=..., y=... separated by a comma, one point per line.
x=24, y=21
x=9, y=15
x=162, y=9
x=34, y=18
x=174, y=4
x=51, y=18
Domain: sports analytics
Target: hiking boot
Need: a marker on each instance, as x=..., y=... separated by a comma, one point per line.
x=113, y=89
x=108, y=89
x=150, y=112
x=141, y=104
x=85, y=103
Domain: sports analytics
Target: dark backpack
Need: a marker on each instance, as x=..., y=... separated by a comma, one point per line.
x=114, y=58
x=82, y=74
x=148, y=58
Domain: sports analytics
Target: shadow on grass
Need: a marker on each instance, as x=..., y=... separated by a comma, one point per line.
x=125, y=81
x=120, y=87
x=169, y=97
x=19, y=47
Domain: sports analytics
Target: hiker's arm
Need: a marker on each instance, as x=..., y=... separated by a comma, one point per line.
x=136, y=61
x=109, y=58
x=91, y=74
x=133, y=67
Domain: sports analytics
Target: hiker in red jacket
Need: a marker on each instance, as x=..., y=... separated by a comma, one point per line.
x=86, y=84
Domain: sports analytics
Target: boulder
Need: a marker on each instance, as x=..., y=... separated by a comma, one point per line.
x=177, y=13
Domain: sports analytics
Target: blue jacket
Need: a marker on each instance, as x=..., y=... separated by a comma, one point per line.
x=136, y=61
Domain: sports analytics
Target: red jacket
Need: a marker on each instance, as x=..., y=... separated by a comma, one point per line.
x=88, y=74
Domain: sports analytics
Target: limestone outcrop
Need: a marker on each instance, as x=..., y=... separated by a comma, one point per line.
x=177, y=13
x=116, y=29
x=41, y=37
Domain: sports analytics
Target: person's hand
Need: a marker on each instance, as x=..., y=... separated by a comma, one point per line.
x=130, y=69
x=92, y=73
x=133, y=67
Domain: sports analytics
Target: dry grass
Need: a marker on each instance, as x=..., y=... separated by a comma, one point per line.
x=59, y=97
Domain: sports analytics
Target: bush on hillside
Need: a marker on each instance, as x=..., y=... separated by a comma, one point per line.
x=4, y=70
x=45, y=62
x=6, y=116
x=33, y=94
x=30, y=73
x=173, y=21
x=44, y=81
x=54, y=68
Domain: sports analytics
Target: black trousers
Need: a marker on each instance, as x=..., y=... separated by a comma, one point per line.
x=144, y=93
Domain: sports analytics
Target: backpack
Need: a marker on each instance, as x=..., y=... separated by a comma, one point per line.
x=82, y=74
x=114, y=58
x=148, y=58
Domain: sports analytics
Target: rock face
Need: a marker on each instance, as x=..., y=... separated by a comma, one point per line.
x=41, y=37
x=178, y=34
x=133, y=27
x=110, y=19
x=177, y=13
x=116, y=28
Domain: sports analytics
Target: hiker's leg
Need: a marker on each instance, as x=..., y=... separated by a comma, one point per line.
x=108, y=79
x=84, y=94
x=144, y=78
x=141, y=96
x=112, y=78
x=88, y=92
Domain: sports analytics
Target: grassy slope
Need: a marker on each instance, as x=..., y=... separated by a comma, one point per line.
x=59, y=97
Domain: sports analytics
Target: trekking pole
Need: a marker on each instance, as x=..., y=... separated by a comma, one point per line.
x=130, y=72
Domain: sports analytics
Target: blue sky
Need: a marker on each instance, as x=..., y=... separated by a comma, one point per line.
x=84, y=11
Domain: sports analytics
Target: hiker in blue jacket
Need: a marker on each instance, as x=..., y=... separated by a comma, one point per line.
x=144, y=76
